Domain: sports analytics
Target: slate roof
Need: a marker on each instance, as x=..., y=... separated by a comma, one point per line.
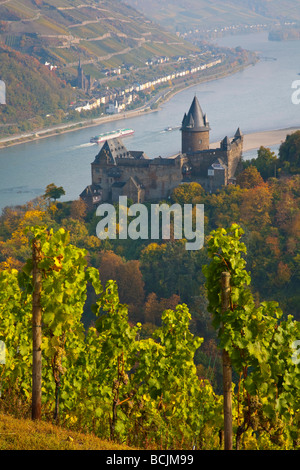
x=195, y=119
x=91, y=190
x=114, y=149
x=238, y=133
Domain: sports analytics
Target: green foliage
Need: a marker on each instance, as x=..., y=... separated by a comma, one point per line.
x=170, y=268
x=260, y=347
x=289, y=153
x=188, y=193
x=108, y=379
x=249, y=178
x=146, y=392
x=270, y=217
x=266, y=163
x=54, y=192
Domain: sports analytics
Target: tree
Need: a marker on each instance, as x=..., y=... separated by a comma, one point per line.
x=289, y=153
x=266, y=163
x=260, y=347
x=256, y=205
x=169, y=269
x=188, y=193
x=154, y=307
x=249, y=178
x=129, y=279
x=54, y=192
x=78, y=210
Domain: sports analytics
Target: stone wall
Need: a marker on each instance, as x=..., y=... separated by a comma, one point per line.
x=156, y=177
x=194, y=141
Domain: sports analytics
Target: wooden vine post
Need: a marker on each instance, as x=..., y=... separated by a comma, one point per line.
x=227, y=370
x=36, y=333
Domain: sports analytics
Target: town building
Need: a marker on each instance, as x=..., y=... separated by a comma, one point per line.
x=117, y=171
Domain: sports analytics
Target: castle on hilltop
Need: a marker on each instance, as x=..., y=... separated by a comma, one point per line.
x=117, y=171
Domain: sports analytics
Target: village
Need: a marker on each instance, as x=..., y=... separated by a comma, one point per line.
x=118, y=99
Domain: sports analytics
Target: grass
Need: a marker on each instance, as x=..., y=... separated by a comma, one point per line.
x=25, y=434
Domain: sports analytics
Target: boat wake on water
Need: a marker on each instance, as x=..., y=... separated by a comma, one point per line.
x=87, y=144
x=120, y=133
x=170, y=129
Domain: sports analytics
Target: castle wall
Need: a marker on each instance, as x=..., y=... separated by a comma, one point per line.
x=200, y=162
x=157, y=177
x=234, y=157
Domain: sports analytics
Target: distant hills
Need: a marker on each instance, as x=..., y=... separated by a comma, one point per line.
x=184, y=15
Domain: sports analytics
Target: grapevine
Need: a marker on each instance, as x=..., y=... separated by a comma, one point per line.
x=146, y=392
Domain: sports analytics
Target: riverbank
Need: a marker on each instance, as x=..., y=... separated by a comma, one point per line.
x=251, y=141
x=264, y=138
x=160, y=99
x=267, y=138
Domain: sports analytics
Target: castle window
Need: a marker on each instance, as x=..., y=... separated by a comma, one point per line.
x=200, y=141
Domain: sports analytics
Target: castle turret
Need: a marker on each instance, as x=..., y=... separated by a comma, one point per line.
x=238, y=134
x=194, y=130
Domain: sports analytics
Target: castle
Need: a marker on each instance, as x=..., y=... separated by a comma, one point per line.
x=117, y=171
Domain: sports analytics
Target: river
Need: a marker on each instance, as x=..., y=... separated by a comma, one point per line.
x=255, y=99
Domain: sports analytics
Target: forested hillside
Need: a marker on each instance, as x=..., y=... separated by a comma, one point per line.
x=32, y=91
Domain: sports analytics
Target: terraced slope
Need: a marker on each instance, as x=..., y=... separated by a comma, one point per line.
x=184, y=15
x=104, y=33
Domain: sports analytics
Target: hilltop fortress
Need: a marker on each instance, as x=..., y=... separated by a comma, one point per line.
x=117, y=171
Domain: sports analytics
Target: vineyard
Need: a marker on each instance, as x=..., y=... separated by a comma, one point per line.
x=109, y=380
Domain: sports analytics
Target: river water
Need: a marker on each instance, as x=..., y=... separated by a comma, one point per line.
x=256, y=99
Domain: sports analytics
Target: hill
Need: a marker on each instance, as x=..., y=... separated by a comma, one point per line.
x=120, y=51
x=25, y=434
x=41, y=43
x=104, y=33
x=32, y=90
x=185, y=15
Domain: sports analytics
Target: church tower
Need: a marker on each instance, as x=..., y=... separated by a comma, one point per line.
x=80, y=76
x=194, y=130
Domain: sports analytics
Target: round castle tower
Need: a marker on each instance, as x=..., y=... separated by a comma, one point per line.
x=194, y=130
